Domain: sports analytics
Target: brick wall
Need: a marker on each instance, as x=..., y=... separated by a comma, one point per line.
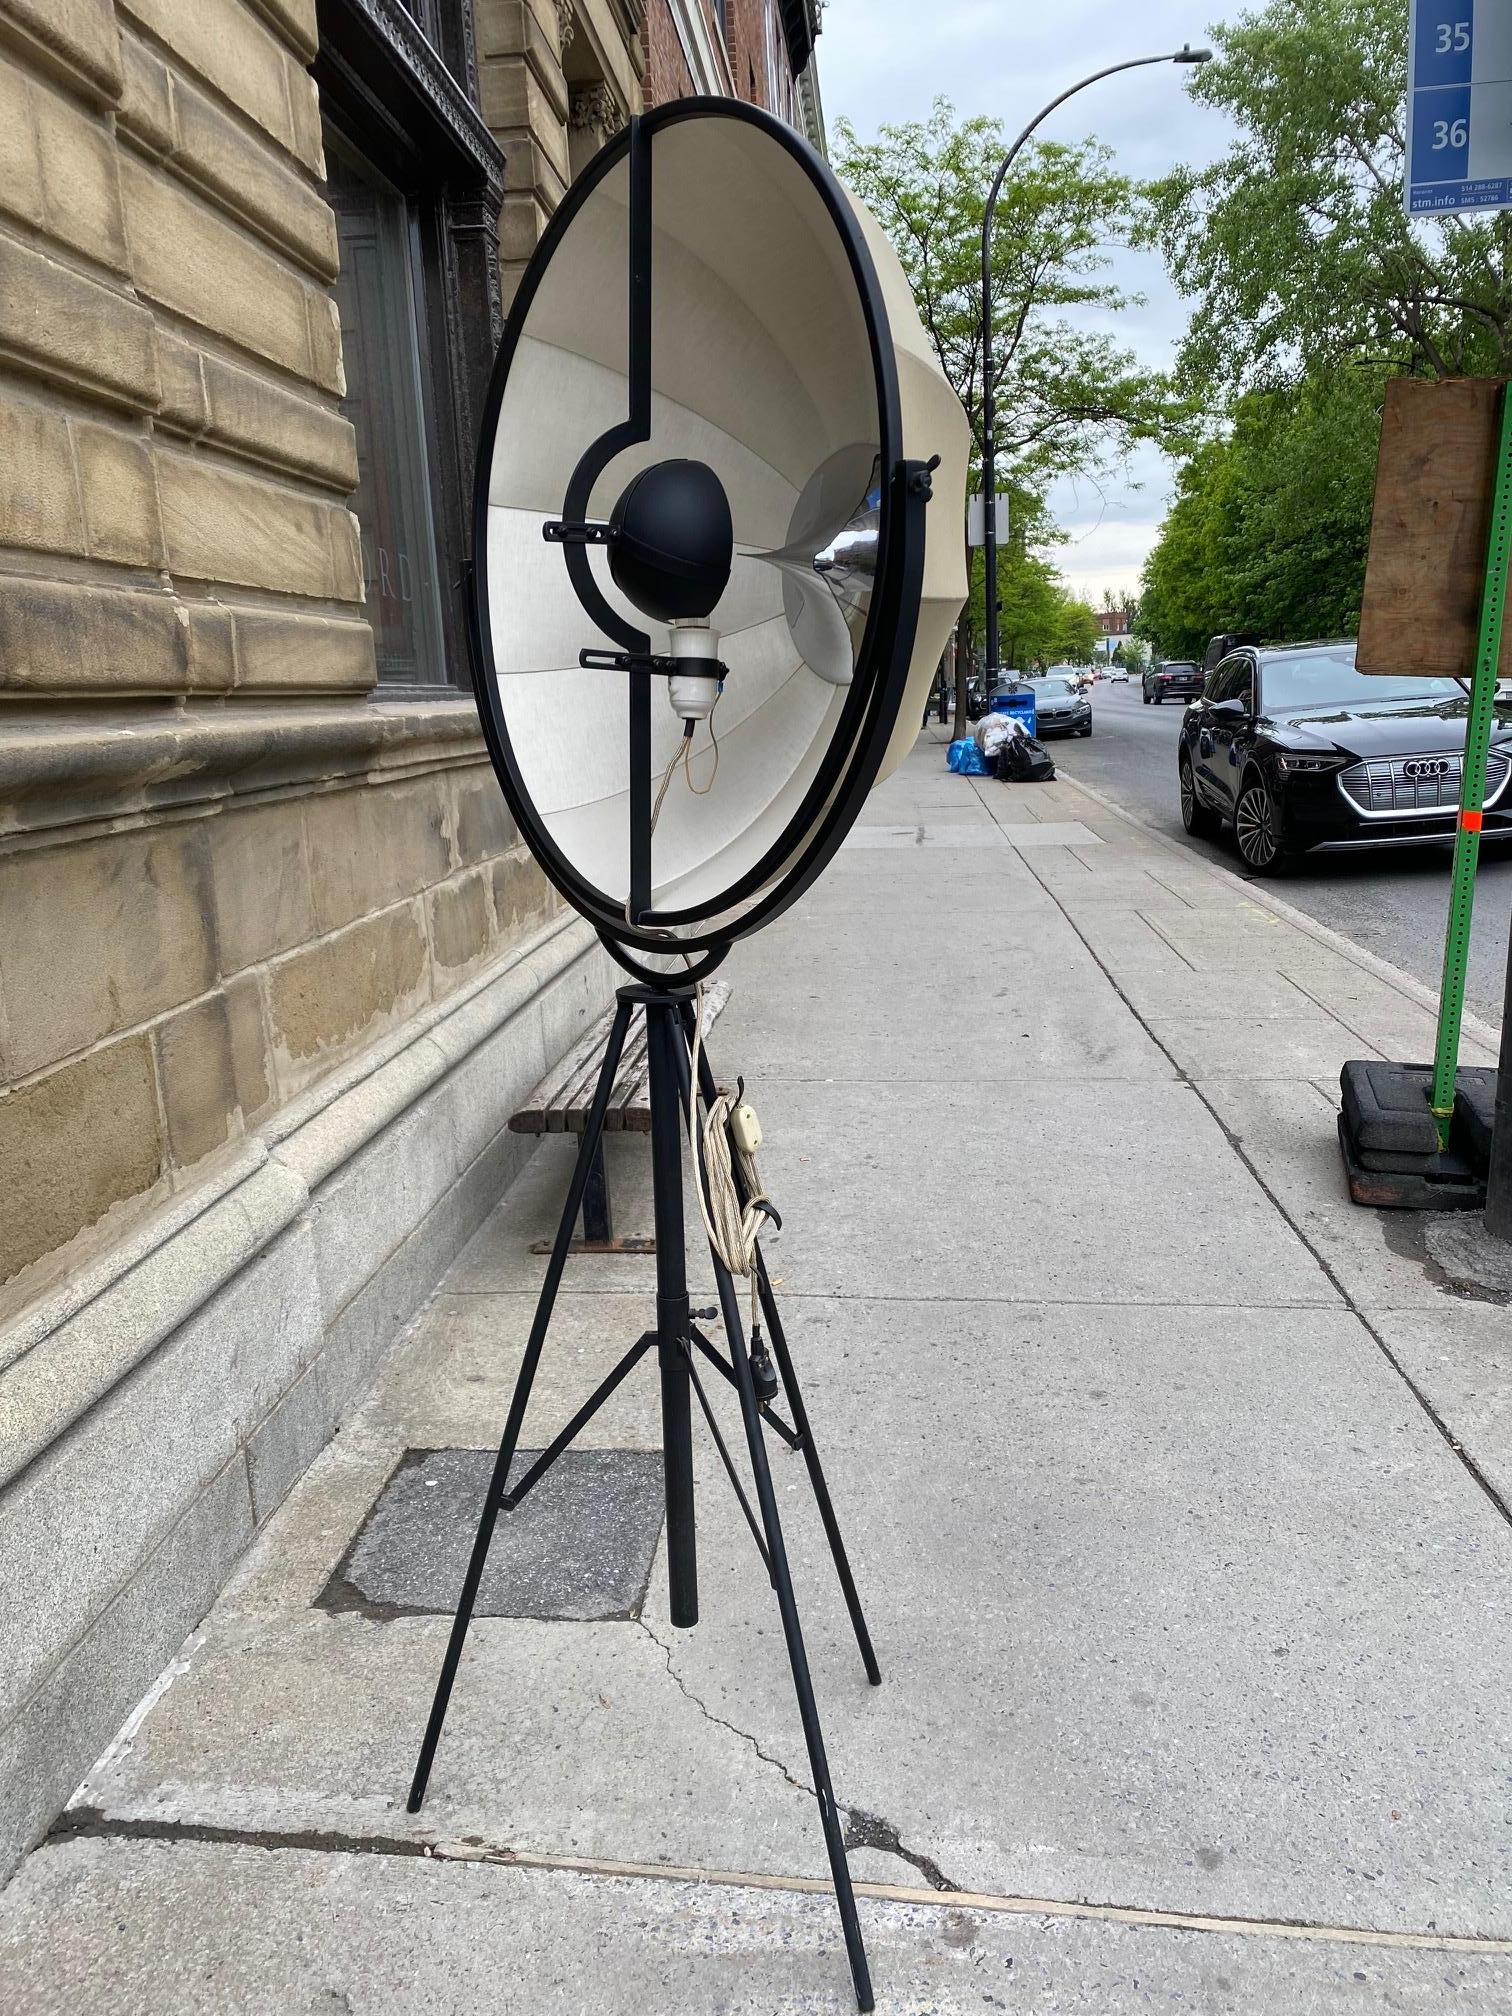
x=666, y=69
x=223, y=868
x=746, y=43
x=752, y=41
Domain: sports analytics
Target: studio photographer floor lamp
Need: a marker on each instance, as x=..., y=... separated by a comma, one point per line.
x=714, y=412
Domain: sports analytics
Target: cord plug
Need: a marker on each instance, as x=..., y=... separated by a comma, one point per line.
x=745, y=1128
x=763, y=1371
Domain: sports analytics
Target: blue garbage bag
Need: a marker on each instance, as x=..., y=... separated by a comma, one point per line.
x=965, y=758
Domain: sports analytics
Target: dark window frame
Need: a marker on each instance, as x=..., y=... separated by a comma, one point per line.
x=410, y=105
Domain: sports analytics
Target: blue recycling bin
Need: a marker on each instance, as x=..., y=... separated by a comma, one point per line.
x=1019, y=702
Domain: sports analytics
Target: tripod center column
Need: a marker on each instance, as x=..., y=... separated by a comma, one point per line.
x=663, y=1031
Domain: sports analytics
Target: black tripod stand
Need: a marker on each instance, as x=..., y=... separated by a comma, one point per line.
x=678, y=1342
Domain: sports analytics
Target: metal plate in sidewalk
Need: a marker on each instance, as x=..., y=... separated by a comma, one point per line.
x=579, y=1547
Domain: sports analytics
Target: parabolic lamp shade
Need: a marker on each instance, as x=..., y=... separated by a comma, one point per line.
x=718, y=298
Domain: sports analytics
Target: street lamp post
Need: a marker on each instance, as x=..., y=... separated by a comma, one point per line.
x=989, y=410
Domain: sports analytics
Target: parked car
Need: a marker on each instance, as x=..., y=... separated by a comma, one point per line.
x=1302, y=754
x=1061, y=707
x=1175, y=679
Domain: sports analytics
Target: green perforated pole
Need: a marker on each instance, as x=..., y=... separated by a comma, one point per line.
x=1473, y=784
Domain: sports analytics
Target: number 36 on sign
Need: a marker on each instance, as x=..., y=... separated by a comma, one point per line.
x=1459, y=106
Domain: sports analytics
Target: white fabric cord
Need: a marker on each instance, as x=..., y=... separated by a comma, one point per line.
x=733, y=1231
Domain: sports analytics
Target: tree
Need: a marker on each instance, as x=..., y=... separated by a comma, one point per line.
x=1271, y=524
x=1069, y=399
x=1041, y=623
x=1295, y=245
x=1077, y=636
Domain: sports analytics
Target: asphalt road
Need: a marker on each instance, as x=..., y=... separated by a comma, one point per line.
x=1394, y=902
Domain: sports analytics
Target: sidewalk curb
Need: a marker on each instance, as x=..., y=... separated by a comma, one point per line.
x=1370, y=962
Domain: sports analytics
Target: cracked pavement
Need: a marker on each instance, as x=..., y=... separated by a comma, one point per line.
x=1175, y=1490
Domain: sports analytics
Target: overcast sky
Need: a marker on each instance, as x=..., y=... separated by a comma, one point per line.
x=884, y=61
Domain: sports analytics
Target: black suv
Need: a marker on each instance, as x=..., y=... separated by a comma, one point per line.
x=1179, y=679
x=1301, y=753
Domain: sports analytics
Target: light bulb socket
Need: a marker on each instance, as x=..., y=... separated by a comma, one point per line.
x=698, y=681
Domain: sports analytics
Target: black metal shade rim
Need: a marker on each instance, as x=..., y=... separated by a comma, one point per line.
x=859, y=739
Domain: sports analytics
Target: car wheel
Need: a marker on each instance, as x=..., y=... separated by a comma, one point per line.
x=1088, y=729
x=1158, y=698
x=1145, y=695
x=1198, y=820
x=1257, y=827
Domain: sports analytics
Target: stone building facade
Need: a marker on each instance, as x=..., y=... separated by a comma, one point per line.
x=274, y=968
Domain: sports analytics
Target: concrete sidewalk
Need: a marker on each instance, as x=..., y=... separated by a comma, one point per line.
x=1176, y=1488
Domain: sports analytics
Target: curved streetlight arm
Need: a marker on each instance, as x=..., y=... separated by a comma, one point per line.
x=989, y=406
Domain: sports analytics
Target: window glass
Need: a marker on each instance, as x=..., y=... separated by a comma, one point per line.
x=1326, y=677
x=1230, y=681
x=375, y=295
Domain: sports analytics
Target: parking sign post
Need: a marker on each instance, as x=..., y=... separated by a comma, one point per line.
x=1459, y=158
x=1478, y=728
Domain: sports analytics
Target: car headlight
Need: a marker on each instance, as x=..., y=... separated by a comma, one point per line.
x=1289, y=764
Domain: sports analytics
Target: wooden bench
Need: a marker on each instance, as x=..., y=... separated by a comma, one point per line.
x=560, y=1103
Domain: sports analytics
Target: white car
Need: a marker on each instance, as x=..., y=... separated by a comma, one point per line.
x=1117, y=675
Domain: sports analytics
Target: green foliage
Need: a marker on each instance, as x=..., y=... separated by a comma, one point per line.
x=1294, y=245
x=1076, y=641
x=1039, y=620
x=1270, y=525
x=1069, y=399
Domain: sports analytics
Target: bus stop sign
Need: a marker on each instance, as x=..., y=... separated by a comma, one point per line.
x=1459, y=106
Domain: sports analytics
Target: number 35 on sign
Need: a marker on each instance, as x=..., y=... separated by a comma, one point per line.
x=1459, y=106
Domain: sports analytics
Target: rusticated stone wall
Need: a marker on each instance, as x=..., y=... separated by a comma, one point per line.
x=173, y=469
x=260, y=899
x=224, y=866
x=557, y=78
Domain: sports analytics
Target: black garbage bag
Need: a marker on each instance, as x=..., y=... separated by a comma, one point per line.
x=1023, y=761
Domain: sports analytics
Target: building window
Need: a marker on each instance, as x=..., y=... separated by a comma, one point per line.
x=381, y=348
x=418, y=298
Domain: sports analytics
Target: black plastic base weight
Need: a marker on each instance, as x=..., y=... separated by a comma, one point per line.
x=1389, y=1140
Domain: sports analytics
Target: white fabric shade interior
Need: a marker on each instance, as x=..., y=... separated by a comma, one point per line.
x=761, y=368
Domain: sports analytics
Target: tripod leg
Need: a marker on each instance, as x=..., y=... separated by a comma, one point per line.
x=673, y=1317
x=587, y=1148
x=782, y=1582
x=816, y=1472
x=709, y=1089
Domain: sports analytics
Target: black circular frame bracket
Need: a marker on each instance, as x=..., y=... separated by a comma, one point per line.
x=703, y=932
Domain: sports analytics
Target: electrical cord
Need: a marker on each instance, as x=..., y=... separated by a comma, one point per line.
x=701, y=791
x=733, y=1228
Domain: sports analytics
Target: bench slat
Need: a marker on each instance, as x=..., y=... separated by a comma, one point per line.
x=560, y=1103
x=560, y=1080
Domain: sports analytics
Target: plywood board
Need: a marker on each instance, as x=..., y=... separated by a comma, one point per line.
x=1421, y=613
